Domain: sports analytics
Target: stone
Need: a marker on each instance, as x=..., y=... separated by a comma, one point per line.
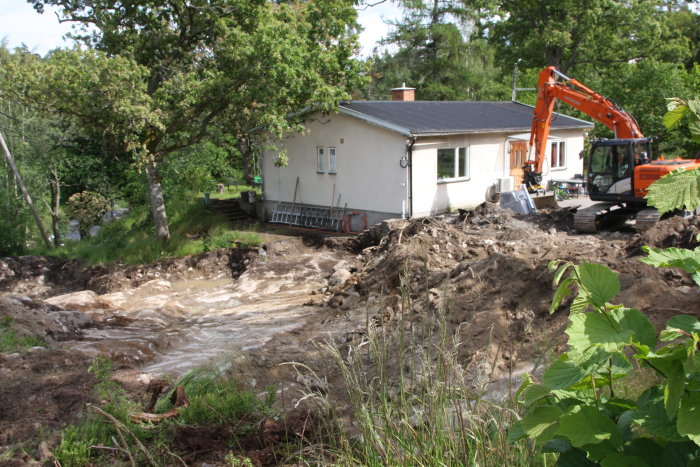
x=351, y=301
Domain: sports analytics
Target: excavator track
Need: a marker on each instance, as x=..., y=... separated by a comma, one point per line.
x=585, y=219
x=646, y=219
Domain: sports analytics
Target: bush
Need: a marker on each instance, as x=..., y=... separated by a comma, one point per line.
x=87, y=207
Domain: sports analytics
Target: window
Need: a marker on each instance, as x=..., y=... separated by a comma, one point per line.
x=558, y=155
x=453, y=163
x=331, y=161
x=320, y=166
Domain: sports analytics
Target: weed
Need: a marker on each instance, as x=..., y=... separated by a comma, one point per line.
x=410, y=404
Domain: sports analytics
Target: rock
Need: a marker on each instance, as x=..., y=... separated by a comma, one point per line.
x=44, y=451
x=351, y=301
x=81, y=301
x=339, y=277
x=72, y=320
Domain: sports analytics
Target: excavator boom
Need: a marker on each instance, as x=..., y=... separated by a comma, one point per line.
x=580, y=97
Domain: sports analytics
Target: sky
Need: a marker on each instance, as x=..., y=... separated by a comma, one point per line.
x=21, y=24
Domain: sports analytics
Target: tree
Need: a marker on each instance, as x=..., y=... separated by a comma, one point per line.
x=436, y=47
x=161, y=73
x=596, y=33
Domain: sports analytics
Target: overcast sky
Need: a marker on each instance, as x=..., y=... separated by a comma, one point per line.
x=20, y=24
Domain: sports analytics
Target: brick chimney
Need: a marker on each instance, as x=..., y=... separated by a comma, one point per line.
x=403, y=93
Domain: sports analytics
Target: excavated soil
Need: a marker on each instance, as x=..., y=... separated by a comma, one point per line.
x=482, y=272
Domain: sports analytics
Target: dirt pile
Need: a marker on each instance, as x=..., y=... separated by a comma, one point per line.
x=486, y=270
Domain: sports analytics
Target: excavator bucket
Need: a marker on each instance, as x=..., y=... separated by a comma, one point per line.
x=544, y=200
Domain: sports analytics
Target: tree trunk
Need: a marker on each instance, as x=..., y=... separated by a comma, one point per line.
x=247, y=155
x=55, y=205
x=155, y=194
x=25, y=193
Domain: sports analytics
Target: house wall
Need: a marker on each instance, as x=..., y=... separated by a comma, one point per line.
x=431, y=196
x=369, y=177
x=488, y=162
x=574, y=163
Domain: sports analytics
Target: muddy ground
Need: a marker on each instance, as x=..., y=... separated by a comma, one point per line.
x=483, y=273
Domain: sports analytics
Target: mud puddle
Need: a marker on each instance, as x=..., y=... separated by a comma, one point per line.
x=164, y=327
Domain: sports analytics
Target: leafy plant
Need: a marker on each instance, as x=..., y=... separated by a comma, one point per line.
x=87, y=207
x=577, y=409
x=678, y=109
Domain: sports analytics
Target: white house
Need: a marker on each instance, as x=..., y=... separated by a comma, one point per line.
x=406, y=158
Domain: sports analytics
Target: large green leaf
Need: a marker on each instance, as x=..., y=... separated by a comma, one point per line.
x=599, y=283
x=563, y=291
x=689, y=260
x=679, y=189
x=647, y=449
x=675, y=115
x=589, y=426
x=534, y=393
x=689, y=416
x=542, y=422
x=563, y=373
x=615, y=459
x=575, y=458
x=652, y=417
x=673, y=390
x=587, y=329
x=633, y=319
x=685, y=323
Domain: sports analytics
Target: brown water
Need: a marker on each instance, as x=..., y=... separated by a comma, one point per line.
x=171, y=328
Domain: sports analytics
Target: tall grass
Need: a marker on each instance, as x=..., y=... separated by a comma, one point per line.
x=193, y=230
x=410, y=403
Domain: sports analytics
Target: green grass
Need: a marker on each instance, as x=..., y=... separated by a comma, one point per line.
x=233, y=191
x=193, y=230
x=106, y=435
x=10, y=342
x=213, y=399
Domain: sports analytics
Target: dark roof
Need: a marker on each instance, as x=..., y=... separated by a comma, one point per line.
x=452, y=117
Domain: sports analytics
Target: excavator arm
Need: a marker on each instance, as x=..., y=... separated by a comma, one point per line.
x=577, y=95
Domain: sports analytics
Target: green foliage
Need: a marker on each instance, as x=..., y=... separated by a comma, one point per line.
x=578, y=410
x=678, y=109
x=159, y=86
x=10, y=342
x=570, y=34
x=679, y=189
x=688, y=260
x=87, y=208
x=130, y=239
x=433, y=50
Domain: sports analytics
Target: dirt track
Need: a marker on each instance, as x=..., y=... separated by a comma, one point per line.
x=252, y=311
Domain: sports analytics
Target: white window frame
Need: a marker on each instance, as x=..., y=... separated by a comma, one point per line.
x=457, y=166
x=320, y=163
x=561, y=161
x=332, y=167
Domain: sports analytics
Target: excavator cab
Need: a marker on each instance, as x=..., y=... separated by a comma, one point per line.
x=611, y=163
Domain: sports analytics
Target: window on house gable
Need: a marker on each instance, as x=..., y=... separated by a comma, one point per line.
x=558, y=157
x=320, y=165
x=453, y=163
x=331, y=161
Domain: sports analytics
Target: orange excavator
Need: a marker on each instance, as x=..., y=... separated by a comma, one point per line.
x=618, y=171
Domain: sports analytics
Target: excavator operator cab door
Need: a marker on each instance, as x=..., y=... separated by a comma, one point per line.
x=611, y=168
